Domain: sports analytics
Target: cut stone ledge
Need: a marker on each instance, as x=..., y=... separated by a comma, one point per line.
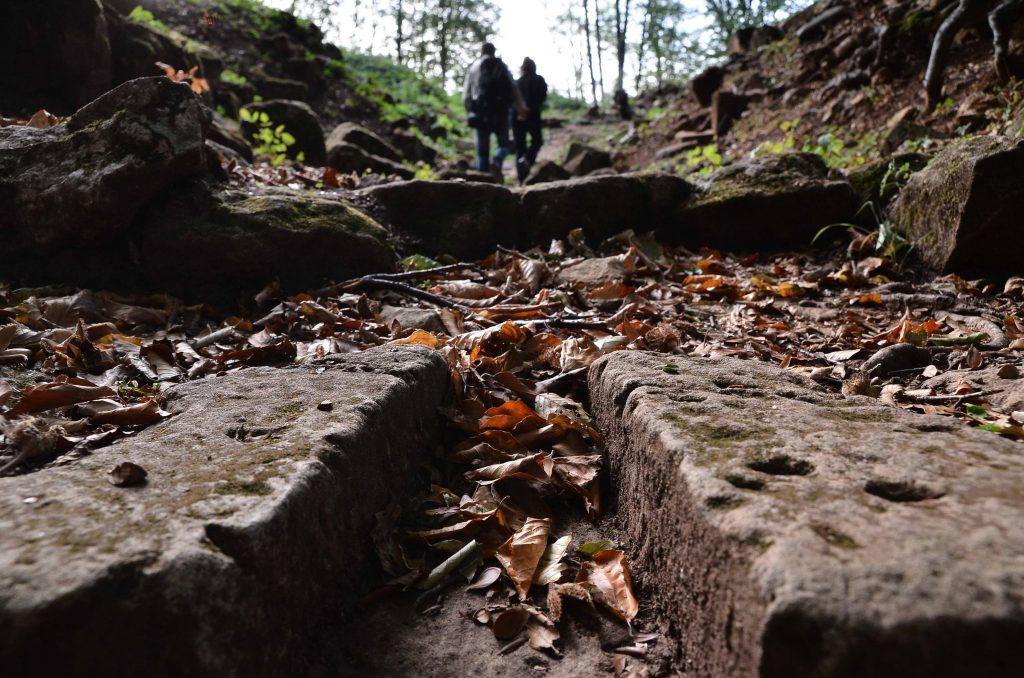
x=247, y=544
x=786, y=531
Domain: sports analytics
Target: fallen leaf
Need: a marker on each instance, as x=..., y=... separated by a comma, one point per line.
x=542, y=632
x=521, y=554
x=551, y=569
x=538, y=466
x=61, y=392
x=451, y=565
x=510, y=623
x=487, y=576
x=610, y=583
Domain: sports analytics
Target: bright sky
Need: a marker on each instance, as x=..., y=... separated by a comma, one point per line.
x=526, y=29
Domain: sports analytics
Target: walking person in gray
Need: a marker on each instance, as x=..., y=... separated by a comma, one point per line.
x=488, y=93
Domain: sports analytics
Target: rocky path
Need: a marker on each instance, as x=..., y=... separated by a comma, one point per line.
x=794, y=461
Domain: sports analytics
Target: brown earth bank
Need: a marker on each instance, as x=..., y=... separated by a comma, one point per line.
x=732, y=388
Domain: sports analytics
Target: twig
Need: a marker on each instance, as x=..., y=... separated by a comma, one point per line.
x=424, y=273
x=570, y=324
x=214, y=337
x=372, y=283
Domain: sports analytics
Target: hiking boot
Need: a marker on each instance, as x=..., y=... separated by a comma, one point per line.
x=497, y=173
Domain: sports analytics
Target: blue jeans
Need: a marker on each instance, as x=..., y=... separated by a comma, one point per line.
x=483, y=144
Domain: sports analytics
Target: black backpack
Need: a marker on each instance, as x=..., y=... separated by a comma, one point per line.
x=494, y=90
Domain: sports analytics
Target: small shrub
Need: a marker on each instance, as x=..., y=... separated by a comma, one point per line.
x=271, y=140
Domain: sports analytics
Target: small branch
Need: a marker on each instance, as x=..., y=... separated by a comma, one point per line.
x=424, y=273
x=372, y=283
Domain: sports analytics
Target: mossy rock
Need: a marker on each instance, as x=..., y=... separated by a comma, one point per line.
x=228, y=244
x=963, y=210
x=771, y=202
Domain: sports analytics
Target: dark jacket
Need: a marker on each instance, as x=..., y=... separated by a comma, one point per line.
x=535, y=91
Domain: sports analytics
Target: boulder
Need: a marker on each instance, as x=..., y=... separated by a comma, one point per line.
x=299, y=120
x=704, y=85
x=963, y=211
x=905, y=131
x=411, y=317
x=274, y=88
x=136, y=47
x=546, y=171
x=726, y=108
x=84, y=182
x=601, y=206
x=581, y=159
x=346, y=158
x=55, y=55
x=227, y=132
x=770, y=202
x=784, y=530
x=463, y=219
x=592, y=272
x=221, y=245
x=357, y=135
x=412, y=148
x=250, y=540
x=465, y=174
x=1004, y=386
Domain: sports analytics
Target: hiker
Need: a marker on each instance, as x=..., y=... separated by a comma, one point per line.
x=534, y=91
x=488, y=93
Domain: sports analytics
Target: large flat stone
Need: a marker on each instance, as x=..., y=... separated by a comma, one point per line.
x=249, y=541
x=787, y=531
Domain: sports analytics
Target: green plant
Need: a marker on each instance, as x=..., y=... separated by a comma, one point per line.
x=233, y=78
x=425, y=172
x=788, y=128
x=894, y=178
x=887, y=241
x=271, y=140
x=144, y=16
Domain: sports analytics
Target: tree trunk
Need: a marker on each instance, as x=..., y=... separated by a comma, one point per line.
x=590, y=54
x=641, y=50
x=621, y=24
x=399, y=29
x=600, y=46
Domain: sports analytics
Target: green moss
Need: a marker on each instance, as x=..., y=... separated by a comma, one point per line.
x=291, y=411
x=254, y=488
x=834, y=536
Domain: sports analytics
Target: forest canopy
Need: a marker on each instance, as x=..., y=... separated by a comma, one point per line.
x=593, y=47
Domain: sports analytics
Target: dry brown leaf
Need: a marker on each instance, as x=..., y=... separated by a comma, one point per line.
x=538, y=466
x=523, y=551
x=579, y=474
x=610, y=583
x=542, y=632
x=61, y=392
x=509, y=623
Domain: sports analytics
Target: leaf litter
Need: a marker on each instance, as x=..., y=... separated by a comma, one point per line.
x=80, y=369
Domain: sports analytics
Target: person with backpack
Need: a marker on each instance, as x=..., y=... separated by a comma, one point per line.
x=489, y=92
x=534, y=91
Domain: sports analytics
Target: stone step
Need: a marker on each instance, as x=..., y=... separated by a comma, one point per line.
x=249, y=540
x=788, y=531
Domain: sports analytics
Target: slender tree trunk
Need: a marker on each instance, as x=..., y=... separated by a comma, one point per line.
x=600, y=46
x=641, y=50
x=399, y=29
x=443, y=51
x=590, y=54
x=621, y=25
